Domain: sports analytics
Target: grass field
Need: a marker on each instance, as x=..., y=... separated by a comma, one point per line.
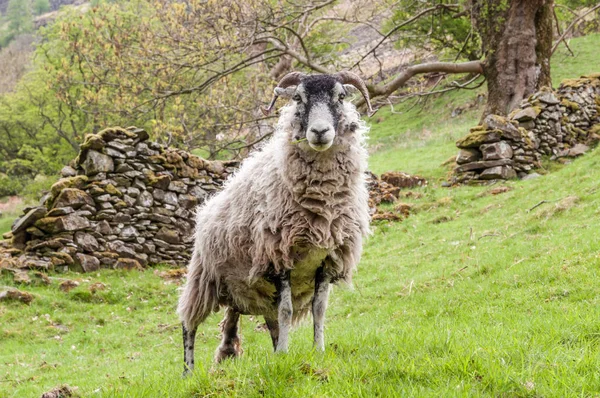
x=473, y=295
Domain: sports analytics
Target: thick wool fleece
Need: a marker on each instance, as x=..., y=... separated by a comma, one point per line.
x=287, y=208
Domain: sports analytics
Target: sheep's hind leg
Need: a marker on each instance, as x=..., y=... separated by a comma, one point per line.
x=284, y=311
x=273, y=326
x=319, y=305
x=189, y=338
x=230, y=344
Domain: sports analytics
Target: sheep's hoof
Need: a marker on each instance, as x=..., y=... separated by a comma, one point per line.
x=228, y=351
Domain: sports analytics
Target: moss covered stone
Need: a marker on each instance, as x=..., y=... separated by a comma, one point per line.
x=111, y=189
x=69, y=182
x=573, y=106
x=574, y=83
x=477, y=138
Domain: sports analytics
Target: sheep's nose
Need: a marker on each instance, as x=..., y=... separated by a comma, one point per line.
x=318, y=131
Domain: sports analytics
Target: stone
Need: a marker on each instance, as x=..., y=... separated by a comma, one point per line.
x=548, y=98
x=495, y=122
x=122, y=218
x=68, y=171
x=63, y=256
x=158, y=194
x=113, y=153
x=35, y=232
x=120, y=146
x=128, y=232
x=188, y=201
x=71, y=222
x=403, y=180
x=60, y=211
x=133, y=192
x=178, y=186
x=148, y=248
x=477, y=138
x=552, y=116
x=96, y=162
x=530, y=176
x=16, y=295
x=73, y=197
x=198, y=192
x=129, y=200
x=497, y=150
x=523, y=115
x=123, y=168
x=485, y=164
x=128, y=264
x=170, y=198
x=498, y=172
x=168, y=235
x=161, y=181
x=578, y=150
x=87, y=262
x=529, y=125
x=119, y=247
x=143, y=149
x=145, y=199
x=86, y=241
x=468, y=155
x=28, y=219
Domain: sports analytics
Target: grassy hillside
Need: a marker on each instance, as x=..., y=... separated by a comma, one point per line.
x=474, y=294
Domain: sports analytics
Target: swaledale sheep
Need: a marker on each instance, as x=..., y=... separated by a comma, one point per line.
x=288, y=224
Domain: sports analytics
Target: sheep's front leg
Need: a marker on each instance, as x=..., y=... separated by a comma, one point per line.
x=319, y=305
x=284, y=311
x=189, y=338
x=273, y=326
x=231, y=345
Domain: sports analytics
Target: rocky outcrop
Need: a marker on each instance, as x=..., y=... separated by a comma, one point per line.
x=557, y=124
x=126, y=202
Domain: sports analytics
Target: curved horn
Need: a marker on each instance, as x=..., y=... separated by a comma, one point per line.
x=346, y=77
x=291, y=79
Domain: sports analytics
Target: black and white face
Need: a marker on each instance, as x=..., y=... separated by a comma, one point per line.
x=319, y=106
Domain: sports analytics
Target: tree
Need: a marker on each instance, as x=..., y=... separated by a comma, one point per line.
x=41, y=6
x=517, y=41
x=196, y=72
x=19, y=17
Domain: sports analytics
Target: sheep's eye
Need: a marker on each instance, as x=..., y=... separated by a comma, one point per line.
x=297, y=98
x=342, y=96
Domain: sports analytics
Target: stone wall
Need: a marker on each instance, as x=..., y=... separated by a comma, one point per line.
x=127, y=202
x=555, y=124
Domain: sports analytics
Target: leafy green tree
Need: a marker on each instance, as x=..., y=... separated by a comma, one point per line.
x=18, y=14
x=40, y=6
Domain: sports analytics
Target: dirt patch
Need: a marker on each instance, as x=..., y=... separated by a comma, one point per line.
x=11, y=204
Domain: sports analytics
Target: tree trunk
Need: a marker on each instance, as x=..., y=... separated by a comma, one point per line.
x=517, y=42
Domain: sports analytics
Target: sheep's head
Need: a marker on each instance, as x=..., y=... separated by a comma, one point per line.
x=319, y=104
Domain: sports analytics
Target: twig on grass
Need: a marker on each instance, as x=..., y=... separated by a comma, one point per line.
x=542, y=202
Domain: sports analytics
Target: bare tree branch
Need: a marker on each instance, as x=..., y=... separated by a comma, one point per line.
x=407, y=22
x=571, y=26
x=405, y=75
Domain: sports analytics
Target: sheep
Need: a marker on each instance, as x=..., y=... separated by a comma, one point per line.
x=288, y=224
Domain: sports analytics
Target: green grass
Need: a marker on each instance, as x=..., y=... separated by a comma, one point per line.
x=8, y=215
x=473, y=295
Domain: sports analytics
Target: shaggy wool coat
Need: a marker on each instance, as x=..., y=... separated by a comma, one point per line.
x=288, y=207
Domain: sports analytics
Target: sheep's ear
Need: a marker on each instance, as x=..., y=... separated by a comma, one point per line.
x=285, y=92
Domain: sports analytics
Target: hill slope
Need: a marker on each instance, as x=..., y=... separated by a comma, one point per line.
x=473, y=294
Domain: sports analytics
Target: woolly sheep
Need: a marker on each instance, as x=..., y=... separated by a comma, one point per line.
x=288, y=224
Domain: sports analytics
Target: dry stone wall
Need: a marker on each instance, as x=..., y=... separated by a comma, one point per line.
x=557, y=124
x=127, y=202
